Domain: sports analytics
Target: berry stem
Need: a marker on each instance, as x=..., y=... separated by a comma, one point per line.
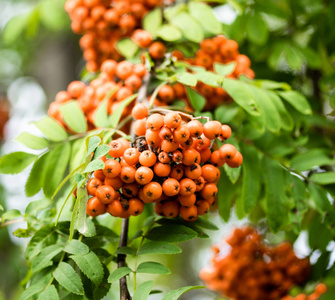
x=121, y=260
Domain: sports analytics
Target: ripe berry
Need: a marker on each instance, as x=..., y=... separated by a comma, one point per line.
x=172, y=120
x=112, y=168
x=139, y=111
x=93, y=185
x=227, y=151
x=212, y=129
x=105, y=194
x=94, y=207
x=155, y=122
x=157, y=50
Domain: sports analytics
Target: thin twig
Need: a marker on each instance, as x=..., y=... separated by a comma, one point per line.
x=121, y=260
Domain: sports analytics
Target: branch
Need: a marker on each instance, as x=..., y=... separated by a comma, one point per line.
x=121, y=260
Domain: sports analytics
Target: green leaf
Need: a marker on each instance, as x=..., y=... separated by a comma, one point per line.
x=251, y=178
x=14, y=28
x=169, y=33
x=286, y=121
x=272, y=85
x=16, y=162
x=171, y=233
x=204, y=223
x=94, y=165
x=57, y=162
x=68, y=278
x=93, y=143
x=189, y=27
x=51, y=129
x=293, y=57
x=32, y=290
x=203, y=13
x=36, y=177
x=101, y=151
x=269, y=110
x=11, y=214
x=143, y=290
x=52, y=15
x=158, y=248
x=126, y=251
x=127, y=47
x=44, y=258
x=118, y=274
x=152, y=268
x=187, y=79
x=84, y=225
x=319, y=235
x=257, y=29
x=323, y=178
x=312, y=57
x=224, y=69
x=116, y=116
x=226, y=193
x=312, y=158
x=297, y=100
x=242, y=96
x=209, y=78
x=276, y=206
x=90, y=265
x=76, y=247
x=152, y=21
x=74, y=117
x=232, y=173
x=34, y=207
x=50, y=293
x=320, y=199
x=198, y=101
x=175, y=294
x=32, y=141
x=42, y=238
x=226, y=113
x=1, y=208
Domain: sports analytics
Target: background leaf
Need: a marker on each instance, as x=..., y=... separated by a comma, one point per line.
x=16, y=162
x=68, y=278
x=51, y=129
x=171, y=233
x=159, y=248
x=32, y=141
x=74, y=117
x=175, y=294
x=152, y=268
x=143, y=290
x=197, y=101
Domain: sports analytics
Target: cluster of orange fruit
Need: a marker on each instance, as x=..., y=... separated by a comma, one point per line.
x=319, y=290
x=124, y=78
x=171, y=164
x=218, y=49
x=103, y=23
x=253, y=270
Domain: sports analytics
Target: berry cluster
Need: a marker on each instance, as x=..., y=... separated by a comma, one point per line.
x=169, y=163
x=220, y=50
x=319, y=290
x=124, y=77
x=253, y=270
x=104, y=22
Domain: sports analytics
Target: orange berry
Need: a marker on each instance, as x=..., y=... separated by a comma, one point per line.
x=144, y=175
x=130, y=190
x=189, y=214
x=93, y=185
x=99, y=174
x=123, y=93
x=136, y=207
x=115, y=208
x=94, y=207
x=172, y=120
x=139, y=127
x=155, y=122
x=127, y=174
x=157, y=50
x=200, y=183
x=140, y=70
x=187, y=200
x=112, y=168
x=142, y=38
x=227, y=151
x=193, y=171
x=212, y=129
x=152, y=191
x=190, y=157
x=170, y=209
x=124, y=69
x=181, y=134
x=202, y=143
x=105, y=194
x=177, y=172
x=210, y=190
x=163, y=157
x=187, y=187
x=169, y=146
x=166, y=94
x=147, y=158
x=165, y=133
x=117, y=149
x=171, y=187
x=195, y=127
x=162, y=170
x=210, y=173
x=133, y=82
x=177, y=156
x=217, y=160
x=202, y=207
x=76, y=89
x=225, y=132
x=205, y=155
x=153, y=139
x=139, y=111
x=116, y=183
